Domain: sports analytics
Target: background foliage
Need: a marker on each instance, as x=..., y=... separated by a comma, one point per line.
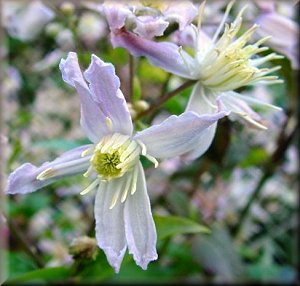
x=229, y=216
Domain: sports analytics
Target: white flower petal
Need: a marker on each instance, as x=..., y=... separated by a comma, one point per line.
x=24, y=179
x=110, y=232
x=104, y=85
x=139, y=225
x=177, y=135
x=92, y=117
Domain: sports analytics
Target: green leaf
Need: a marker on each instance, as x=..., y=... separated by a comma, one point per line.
x=151, y=73
x=257, y=156
x=217, y=254
x=41, y=275
x=172, y=225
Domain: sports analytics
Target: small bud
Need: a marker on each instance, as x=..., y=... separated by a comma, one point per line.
x=141, y=105
x=67, y=8
x=52, y=29
x=84, y=248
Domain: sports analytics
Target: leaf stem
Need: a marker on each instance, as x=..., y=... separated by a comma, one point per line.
x=164, y=98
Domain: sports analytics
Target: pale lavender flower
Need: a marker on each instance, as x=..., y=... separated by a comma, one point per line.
x=284, y=33
x=25, y=21
x=146, y=18
x=122, y=207
x=219, y=65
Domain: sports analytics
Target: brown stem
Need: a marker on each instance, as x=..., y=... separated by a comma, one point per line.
x=164, y=98
x=284, y=142
x=30, y=250
x=131, y=78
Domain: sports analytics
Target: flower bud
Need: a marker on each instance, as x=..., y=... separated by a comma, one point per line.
x=84, y=248
x=67, y=8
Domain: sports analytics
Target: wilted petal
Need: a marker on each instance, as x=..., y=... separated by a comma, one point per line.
x=104, y=86
x=183, y=12
x=24, y=179
x=92, y=117
x=177, y=135
x=110, y=233
x=162, y=54
x=139, y=225
x=116, y=14
x=149, y=27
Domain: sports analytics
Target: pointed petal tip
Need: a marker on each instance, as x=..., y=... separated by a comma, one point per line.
x=145, y=260
x=114, y=258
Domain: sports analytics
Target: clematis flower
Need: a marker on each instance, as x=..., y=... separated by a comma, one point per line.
x=146, y=18
x=25, y=21
x=219, y=65
x=122, y=207
x=284, y=32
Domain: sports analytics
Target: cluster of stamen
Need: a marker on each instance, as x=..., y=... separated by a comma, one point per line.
x=114, y=155
x=227, y=63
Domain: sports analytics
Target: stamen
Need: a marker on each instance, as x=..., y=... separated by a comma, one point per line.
x=121, y=140
x=228, y=8
x=134, y=180
x=200, y=14
x=251, y=120
x=130, y=159
x=128, y=184
x=132, y=146
x=116, y=195
x=115, y=155
x=90, y=187
x=88, y=151
x=88, y=172
x=153, y=160
x=63, y=169
x=109, y=123
x=144, y=148
x=46, y=174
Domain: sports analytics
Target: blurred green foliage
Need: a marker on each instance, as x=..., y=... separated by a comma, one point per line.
x=195, y=206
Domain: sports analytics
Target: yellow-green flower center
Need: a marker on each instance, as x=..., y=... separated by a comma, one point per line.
x=106, y=164
x=115, y=155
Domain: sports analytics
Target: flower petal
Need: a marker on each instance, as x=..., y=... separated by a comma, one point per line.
x=284, y=34
x=139, y=225
x=92, y=117
x=110, y=233
x=104, y=86
x=183, y=12
x=177, y=135
x=200, y=104
x=163, y=54
x=240, y=109
x=24, y=179
x=115, y=14
x=149, y=26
